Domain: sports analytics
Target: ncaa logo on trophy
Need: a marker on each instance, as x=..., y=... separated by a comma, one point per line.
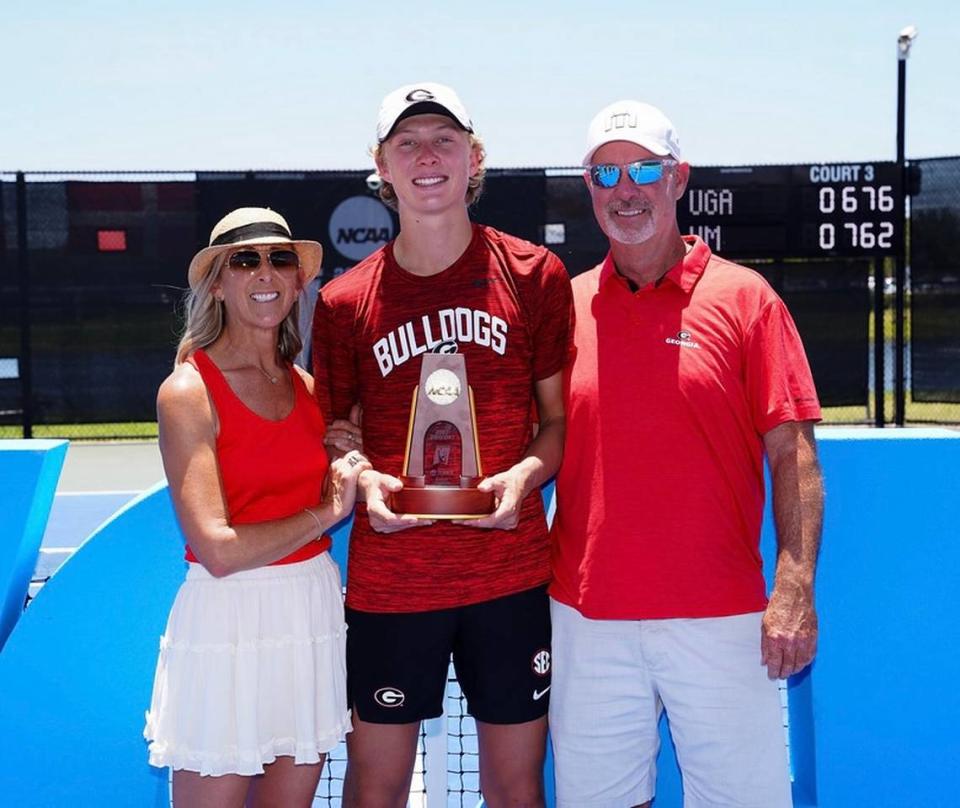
x=441, y=466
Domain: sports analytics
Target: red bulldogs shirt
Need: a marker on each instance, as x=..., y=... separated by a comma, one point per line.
x=506, y=304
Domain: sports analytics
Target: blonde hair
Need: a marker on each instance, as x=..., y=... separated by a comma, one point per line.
x=474, y=185
x=205, y=317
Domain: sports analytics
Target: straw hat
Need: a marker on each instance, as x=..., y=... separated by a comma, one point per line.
x=250, y=226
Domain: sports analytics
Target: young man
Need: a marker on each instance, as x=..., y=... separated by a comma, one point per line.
x=688, y=370
x=419, y=591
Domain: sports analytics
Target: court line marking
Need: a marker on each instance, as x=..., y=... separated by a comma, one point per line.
x=98, y=493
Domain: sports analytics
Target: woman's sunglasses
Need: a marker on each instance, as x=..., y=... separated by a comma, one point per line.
x=250, y=259
x=641, y=172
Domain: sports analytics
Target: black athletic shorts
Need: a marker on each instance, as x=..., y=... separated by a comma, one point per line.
x=397, y=663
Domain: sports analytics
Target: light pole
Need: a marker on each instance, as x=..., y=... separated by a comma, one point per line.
x=904, y=41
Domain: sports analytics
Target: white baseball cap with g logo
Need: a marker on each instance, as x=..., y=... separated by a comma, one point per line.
x=420, y=99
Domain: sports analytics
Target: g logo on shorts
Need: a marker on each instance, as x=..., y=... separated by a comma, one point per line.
x=389, y=697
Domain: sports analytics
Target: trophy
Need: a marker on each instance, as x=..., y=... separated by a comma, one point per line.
x=441, y=466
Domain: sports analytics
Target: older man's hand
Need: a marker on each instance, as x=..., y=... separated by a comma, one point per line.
x=788, y=641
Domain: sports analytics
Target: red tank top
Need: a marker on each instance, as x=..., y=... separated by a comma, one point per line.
x=269, y=469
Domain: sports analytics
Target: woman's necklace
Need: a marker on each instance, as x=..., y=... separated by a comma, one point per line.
x=272, y=379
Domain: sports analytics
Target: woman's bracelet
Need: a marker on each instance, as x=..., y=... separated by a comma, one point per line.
x=315, y=519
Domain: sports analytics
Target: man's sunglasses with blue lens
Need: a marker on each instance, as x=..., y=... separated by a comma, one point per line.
x=250, y=259
x=642, y=172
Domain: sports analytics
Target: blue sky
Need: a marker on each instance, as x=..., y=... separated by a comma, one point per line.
x=295, y=85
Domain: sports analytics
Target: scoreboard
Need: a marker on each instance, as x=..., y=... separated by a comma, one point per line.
x=796, y=211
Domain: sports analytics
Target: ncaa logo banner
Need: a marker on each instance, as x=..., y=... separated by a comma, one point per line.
x=360, y=225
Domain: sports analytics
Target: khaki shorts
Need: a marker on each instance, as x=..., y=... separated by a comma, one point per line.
x=613, y=678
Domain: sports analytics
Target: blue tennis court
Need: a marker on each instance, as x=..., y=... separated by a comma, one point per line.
x=73, y=517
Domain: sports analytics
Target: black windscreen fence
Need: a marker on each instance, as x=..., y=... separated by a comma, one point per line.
x=107, y=256
x=830, y=303
x=935, y=283
x=571, y=230
x=514, y=202
x=106, y=265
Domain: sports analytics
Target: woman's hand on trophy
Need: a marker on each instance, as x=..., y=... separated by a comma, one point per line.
x=376, y=488
x=340, y=491
x=508, y=489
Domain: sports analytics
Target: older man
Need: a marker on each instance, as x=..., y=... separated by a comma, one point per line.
x=688, y=371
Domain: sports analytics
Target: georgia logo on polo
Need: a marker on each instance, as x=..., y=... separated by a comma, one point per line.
x=540, y=664
x=389, y=697
x=684, y=339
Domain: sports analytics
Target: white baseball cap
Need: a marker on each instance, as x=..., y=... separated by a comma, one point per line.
x=634, y=122
x=420, y=99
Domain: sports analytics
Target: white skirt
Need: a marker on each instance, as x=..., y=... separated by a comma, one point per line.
x=251, y=666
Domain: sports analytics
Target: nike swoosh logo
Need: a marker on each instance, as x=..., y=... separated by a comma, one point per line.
x=539, y=694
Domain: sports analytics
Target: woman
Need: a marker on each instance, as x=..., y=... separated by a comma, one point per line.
x=250, y=689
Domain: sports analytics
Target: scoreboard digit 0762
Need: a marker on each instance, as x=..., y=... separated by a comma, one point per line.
x=802, y=211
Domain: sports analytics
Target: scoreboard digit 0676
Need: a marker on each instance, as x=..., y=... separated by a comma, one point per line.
x=802, y=211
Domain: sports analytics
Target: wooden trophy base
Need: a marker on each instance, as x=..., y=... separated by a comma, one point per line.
x=441, y=501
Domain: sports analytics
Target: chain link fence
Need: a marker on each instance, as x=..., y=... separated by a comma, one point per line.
x=93, y=266
x=934, y=290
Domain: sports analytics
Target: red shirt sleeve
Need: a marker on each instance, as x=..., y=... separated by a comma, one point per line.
x=778, y=380
x=334, y=363
x=552, y=318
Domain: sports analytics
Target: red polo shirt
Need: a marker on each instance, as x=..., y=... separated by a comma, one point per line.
x=660, y=495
